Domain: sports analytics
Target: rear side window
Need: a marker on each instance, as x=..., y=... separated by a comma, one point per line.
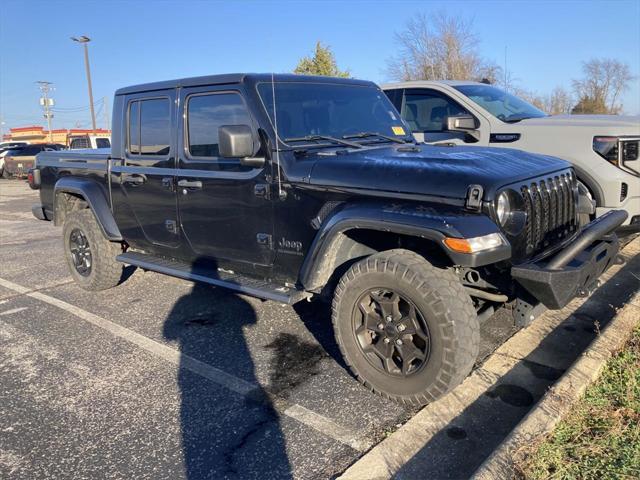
x=205, y=114
x=150, y=127
x=134, y=128
x=428, y=111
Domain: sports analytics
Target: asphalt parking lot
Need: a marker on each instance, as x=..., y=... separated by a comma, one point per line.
x=162, y=378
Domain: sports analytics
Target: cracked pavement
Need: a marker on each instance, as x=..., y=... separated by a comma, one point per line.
x=78, y=401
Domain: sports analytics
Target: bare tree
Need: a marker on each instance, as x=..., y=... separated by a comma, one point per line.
x=439, y=48
x=559, y=102
x=604, y=81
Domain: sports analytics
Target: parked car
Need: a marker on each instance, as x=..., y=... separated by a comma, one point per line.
x=289, y=187
x=9, y=144
x=17, y=160
x=77, y=142
x=603, y=149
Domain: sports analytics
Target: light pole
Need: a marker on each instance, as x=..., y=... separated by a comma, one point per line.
x=84, y=40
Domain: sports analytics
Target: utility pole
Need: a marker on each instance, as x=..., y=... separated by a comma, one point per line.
x=84, y=40
x=46, y=102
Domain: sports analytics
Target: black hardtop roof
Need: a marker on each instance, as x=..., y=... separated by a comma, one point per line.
x=230, y=78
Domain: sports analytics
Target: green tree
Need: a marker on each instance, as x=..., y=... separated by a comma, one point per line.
x=587, y=104
x=322, y=63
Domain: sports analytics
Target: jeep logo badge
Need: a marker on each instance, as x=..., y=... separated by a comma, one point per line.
x=289, y=245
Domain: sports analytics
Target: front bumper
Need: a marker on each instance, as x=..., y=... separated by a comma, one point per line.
x=574, y=270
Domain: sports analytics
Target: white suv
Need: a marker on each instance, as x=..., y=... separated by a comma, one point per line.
x=602, y=148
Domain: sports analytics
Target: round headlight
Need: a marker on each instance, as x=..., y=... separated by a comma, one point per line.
x=503, y=208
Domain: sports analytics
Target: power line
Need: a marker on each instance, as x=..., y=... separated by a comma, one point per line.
x=78, y=109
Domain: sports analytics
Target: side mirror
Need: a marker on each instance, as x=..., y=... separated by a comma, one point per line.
x=461, y=123
x=236, y=141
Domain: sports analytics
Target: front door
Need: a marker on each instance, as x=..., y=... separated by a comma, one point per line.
x=426, y=112
x=147, y=209
x=224, y=207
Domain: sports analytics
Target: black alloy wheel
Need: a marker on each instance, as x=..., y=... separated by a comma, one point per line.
x=80, y=252
x=391, y=332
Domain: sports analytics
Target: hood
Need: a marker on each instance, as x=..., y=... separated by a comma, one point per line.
x=430, y=170
x=587, y=121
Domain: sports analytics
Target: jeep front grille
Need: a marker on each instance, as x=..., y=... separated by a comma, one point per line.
x=550, y=205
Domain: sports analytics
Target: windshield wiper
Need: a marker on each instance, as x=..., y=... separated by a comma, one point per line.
x=315, y=138
x=374, y=134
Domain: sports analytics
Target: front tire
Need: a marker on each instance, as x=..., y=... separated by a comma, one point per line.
x=91, y=257
x=406, y=329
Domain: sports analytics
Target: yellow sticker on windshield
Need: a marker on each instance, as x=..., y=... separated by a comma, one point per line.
x=398, y=130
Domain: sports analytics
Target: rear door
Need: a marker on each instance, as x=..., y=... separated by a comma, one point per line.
x=147, y=172
x=225, y=212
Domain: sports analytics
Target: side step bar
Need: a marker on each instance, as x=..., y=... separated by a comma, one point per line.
x=217, y=277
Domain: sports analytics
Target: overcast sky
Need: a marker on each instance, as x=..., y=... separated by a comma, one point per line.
x=143, y=41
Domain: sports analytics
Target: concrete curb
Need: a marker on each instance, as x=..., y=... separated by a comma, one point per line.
x=557, y=402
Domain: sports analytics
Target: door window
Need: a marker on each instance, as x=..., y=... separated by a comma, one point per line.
x=428, y=111
x=205, y=114
x=150, y=127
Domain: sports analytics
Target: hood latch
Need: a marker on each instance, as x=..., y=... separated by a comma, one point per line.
x=474, y=197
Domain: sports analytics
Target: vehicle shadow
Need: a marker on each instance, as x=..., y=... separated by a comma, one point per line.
x=316, y=317
x=225, y=434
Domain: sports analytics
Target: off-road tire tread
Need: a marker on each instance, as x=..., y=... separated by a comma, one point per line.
x=106, y=272
x=462, y=343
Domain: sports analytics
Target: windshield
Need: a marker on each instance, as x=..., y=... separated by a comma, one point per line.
x=500, y=104
x=307, y=111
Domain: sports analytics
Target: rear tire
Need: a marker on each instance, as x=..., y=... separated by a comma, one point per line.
x=91, y=257
x=431, y=350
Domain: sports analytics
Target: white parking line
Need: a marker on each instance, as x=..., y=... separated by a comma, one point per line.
x=307, y=417
x=328, y=427
x=13, y=310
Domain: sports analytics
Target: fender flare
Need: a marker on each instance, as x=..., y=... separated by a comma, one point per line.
x=96, y=198
x=430, y=223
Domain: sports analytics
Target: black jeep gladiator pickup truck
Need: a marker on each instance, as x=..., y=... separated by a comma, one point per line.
x=286, y=187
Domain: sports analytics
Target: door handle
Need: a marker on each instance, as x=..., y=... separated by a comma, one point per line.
x=134, y=180
x=193, y=184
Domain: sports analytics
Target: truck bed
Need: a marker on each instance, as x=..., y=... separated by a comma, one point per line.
x=91, y=163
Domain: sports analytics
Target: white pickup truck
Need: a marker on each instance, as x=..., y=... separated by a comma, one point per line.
x=602, y=148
